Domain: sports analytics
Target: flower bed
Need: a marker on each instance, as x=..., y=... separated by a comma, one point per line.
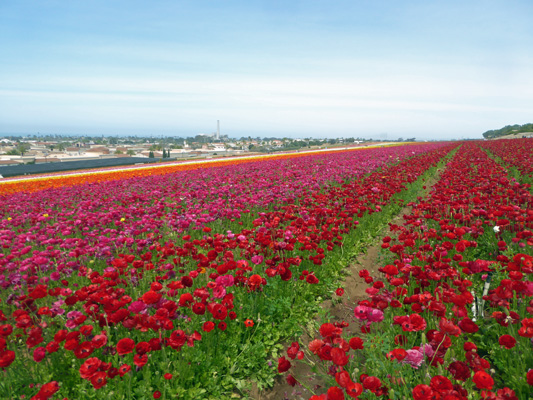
x=451, y=315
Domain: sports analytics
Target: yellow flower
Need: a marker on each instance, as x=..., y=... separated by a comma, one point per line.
x=9, y=218
x=122, y=219
x=45, y=215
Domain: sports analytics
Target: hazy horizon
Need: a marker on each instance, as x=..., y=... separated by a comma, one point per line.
x=429, y=70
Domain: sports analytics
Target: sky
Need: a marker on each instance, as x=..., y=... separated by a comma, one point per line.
x=274, y=68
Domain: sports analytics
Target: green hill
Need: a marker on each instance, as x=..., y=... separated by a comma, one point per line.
x=507, y=130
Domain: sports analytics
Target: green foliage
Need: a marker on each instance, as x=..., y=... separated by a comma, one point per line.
x=507, y=130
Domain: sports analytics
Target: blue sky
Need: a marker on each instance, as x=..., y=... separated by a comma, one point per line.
x=376, y=69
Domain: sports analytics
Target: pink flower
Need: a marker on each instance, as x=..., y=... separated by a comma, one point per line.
x=225, y=280
x=375, y=315
x=257, y=259
x=415, y=358
x=137, y=307
x=219, y=292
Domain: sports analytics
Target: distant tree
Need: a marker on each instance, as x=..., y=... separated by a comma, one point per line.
x=118, y=152
x=131, y=153
x=151, y=154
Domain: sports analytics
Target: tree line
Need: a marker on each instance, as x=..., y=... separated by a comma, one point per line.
x=508, y=130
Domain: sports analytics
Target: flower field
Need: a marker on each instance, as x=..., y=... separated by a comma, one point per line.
x=449, y=314
x=186, y=281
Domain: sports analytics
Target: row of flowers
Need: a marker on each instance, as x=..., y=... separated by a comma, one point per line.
x=111, y=280
x=450, y=315
x=59, y=180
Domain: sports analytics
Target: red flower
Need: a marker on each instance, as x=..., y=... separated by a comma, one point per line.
x=219, y=311
x=354, y=389
x=468, y=326
x=339, y=357
x=527, y=328
x=529, y=377
x=168, y=376
x=329, y=330
x=283, y=365
x=291, y=380
x=52, y=347
x=422, y=392
x=142, y=348
x=293, y=350
x=415, y=323
x=140, y=361
x=84, y=350
x=5, y=330
x=6, y=358
x=124, y=369
x=459, y=370
x=397, y=354
x=483, y=380
x=343, y=379
x=125, y=346
x=198, y=308
x=208, y=326
x=335, y=393
x=157, y=394
x=38, y=354
x=356, y=343
x=99, y=379
x=339, y=291
x=441, y=383
x=249, y=323
x=38, y=292
x=315, y=345
x=371, y=383
x=507, y=341
x=48, y=390
x=449, y=327
x=151, y=297
x=89, y=367
x=222, y=325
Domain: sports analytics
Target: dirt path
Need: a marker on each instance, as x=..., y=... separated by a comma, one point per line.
x=339, y=309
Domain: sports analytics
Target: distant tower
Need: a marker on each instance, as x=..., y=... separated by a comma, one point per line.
x=218, y=129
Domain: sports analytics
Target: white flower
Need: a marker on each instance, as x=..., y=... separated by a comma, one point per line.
x=496, y=229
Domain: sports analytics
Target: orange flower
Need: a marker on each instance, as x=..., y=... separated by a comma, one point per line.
x=249, y=323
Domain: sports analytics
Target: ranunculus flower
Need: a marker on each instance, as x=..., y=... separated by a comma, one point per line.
x=125, y=346
x=507, y=341
x=335, y=393
x=283, y=364
x=529, y=377
x=38, y=354
x=468, y=326
x=422, y=392
x=483, y=380
x=356, y=343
